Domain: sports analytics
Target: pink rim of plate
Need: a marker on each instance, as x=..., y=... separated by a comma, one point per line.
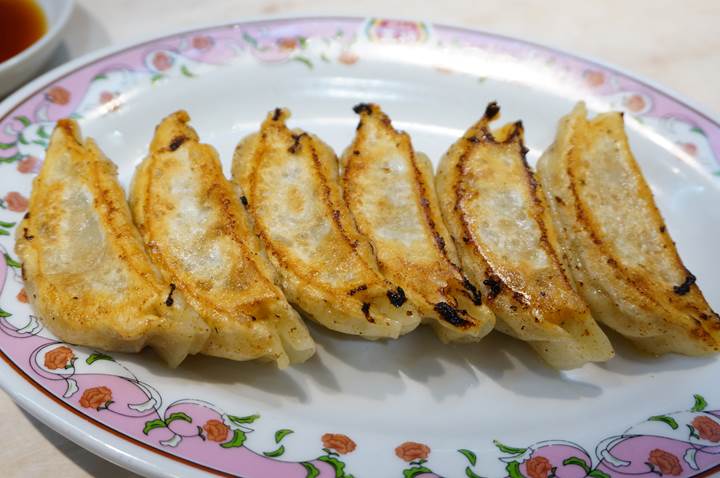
x=94, y=387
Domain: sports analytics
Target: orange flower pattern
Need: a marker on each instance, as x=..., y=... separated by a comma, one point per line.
x=96, y=397
x=707, y=428
x=29, y=164
x=348, y=58
x=635, y=103
x=689, y=148
x=58, y=357
x=538, y=467
x=667, y=463
x=338, y=442
x=288, y=44
x=216, y=430
x=162, y=61
x=16, y=202
x=201, y=42
x=594, y=78
x=411, y=451
x=58, y=95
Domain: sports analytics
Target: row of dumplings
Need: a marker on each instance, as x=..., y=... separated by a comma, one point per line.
x=371, y=244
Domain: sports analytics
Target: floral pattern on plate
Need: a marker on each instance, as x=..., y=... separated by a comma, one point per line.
x=682, y=443
x=104, y=391
x=103, y=87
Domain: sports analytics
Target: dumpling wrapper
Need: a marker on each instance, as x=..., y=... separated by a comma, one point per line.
x=86, y=272
x=496, y=213
x=327, y=269
x=618, y=248
x=196, y=230
x=391, y=194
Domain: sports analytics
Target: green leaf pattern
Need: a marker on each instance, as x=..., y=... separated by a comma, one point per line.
x=415, y=471
x=669, y=421
x=508, y=449
x=280, y=434
x=237, y=440
x=177, y=416
x=12, y=262
x=574, y=460
x=471, y=457
x=242, y=420
x=95, y=356
x=311, y=470
x=700, y=403
x=275, y=453
x=153, y=424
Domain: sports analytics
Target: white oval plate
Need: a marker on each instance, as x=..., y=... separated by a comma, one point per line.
x=411, y=407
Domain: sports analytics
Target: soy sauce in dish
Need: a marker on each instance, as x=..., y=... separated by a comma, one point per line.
x=22, y=23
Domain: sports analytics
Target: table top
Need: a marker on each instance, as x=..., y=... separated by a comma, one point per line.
x=674, y=43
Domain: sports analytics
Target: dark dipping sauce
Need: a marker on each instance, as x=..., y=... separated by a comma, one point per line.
x=22, y=23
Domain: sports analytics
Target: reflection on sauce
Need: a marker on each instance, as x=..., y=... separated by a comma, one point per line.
x=22, y=23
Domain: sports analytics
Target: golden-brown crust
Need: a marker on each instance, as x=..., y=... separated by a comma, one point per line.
x=390, y=192
x=328, y=270
x=196, y=230
x=84, y=265
x=495, y=210
x=626, y=263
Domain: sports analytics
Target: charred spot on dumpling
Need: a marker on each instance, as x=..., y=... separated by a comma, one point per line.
x=684, y=288
x=276, y=114
x=700, y=333
x=495, y=286
x=170, y=301
x=450, y=315
x=362, y=108
x=397, y=297
x=439, y=241
x=176, y=142
x=336, y=218
x=244, y=200
x=27, y=215
x=26, y=236
x=492, y=110
x=296, y=143
x=519, y=297
x=473, y=139
x=366, y=312
x=357, y=289
x=474, y=292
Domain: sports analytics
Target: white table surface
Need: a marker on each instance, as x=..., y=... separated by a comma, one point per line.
x=674, y=43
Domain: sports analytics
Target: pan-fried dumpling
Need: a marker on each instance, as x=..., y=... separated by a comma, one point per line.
x=197, y=233
x=327, y=269
x=85, y=269
x=496, y=214
x=619, y=250
x=391, y=194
